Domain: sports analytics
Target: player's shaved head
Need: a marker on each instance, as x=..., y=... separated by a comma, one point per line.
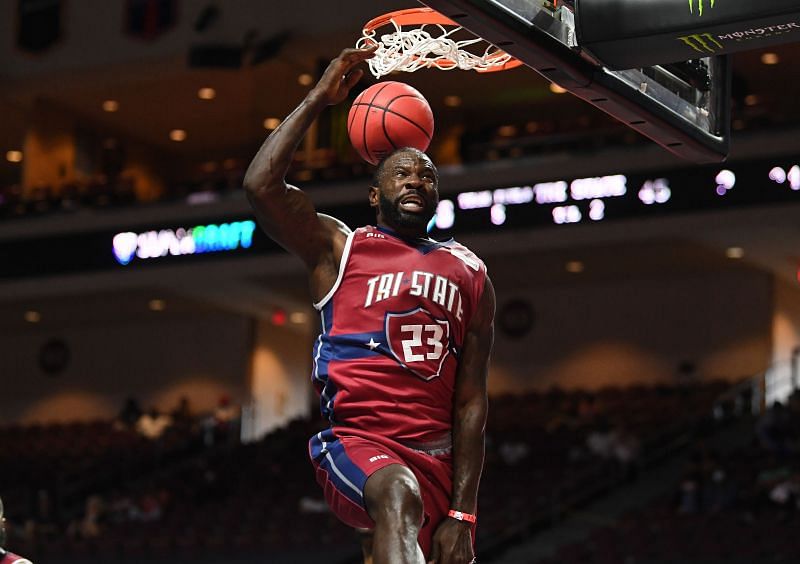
x=391, y=157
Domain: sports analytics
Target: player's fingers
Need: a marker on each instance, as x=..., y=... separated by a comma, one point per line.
x=352, y=78
x=355, y=56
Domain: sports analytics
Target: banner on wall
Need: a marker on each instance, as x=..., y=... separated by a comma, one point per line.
x=38, y=24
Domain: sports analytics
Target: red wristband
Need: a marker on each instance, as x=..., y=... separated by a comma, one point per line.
x=460, y=516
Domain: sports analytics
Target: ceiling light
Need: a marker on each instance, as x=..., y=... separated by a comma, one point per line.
x=177, y=135
x=110, y=106
x=298, y=317
x=14, y=156
x=229, y=164
x=507, y=130
x=751, y=100
x=734, y=252
x=770, y=59
x=271, y=123
x=574, y=266
x=305, y=79
x=532, y=127
x=556, y=89
x=33, y=316
x=209, y=167
x=206, y=93
x=452, y=101
x=157, y=305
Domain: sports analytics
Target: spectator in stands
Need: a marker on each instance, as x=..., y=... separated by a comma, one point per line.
x=42, y=526
x=220, y=427
x=774, y=430
x=130, y=413
x=600, y=440
x=785, y=494
x=153, y=424
x=719, y=492
x=120, y=507
x=182, y=414
x=92, y=523
x=148, y=509
x=512, y=452
x=625, y=445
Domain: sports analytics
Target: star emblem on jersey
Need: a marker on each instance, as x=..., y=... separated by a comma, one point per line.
x=372, y=344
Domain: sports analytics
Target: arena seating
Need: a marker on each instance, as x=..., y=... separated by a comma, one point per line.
x=261, y=498
x=725, y=508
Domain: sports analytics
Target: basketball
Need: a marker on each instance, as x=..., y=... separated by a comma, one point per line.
x=387, y=116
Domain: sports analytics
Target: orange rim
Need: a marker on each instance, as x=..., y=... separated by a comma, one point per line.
x=423, y=16
x=409, y=16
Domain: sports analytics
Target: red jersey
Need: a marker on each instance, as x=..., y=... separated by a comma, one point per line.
x=392, y=330
x=11, y=558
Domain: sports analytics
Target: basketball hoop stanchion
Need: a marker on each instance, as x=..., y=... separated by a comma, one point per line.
x=432, y=41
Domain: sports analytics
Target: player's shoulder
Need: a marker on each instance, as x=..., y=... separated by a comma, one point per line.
x=369, y=232
x=463, y=253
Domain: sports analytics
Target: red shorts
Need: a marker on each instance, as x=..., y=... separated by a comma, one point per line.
x=343, y=464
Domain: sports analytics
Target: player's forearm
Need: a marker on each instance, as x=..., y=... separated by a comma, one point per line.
x=268, y=168
x=468, y=453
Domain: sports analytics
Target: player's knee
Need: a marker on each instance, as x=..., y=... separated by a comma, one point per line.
x=400, y=499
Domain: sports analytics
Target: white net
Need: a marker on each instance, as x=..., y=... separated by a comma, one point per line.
x=412, y=49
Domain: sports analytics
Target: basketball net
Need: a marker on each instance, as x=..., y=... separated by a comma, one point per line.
x=432, y=43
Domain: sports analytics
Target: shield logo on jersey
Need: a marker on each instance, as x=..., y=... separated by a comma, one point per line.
x=418, y=341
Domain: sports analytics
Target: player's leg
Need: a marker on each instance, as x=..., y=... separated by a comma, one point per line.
x=365, y=536
x=393, y=500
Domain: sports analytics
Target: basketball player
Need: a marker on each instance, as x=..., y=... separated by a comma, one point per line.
x=5, y=556
x=402, y=361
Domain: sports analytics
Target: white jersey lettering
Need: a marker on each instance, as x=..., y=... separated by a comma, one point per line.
x=440, y=290
x=426, y=285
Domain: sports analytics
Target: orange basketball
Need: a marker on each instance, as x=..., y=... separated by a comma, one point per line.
x=387, y=116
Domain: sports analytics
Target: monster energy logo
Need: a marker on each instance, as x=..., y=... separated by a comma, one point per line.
x=702, y=42
x=700, y=5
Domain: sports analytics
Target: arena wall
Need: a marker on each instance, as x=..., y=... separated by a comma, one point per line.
x=589, y=335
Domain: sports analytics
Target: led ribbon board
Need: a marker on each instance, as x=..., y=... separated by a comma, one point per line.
x=619, y=196
x=201, y=239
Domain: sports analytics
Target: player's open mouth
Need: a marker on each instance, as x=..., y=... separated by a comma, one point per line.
x=412, y=203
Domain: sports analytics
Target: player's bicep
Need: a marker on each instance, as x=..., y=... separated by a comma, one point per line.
x=473, y=367
x=288, y=216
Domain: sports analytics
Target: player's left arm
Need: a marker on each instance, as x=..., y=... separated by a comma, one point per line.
x=452, y=542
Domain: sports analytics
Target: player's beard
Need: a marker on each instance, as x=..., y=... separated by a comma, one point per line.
x=393, y=215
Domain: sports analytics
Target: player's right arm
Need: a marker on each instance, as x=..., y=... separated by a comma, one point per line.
x=284, y=212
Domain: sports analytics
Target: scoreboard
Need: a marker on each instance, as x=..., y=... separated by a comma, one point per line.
x=618, y=196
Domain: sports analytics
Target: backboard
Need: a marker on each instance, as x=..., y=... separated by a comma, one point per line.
x=684, y=106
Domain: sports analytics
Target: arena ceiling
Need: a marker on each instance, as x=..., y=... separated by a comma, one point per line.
x=157, y=92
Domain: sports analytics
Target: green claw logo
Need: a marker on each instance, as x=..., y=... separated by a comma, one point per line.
x=702, y=43
x=700, y=6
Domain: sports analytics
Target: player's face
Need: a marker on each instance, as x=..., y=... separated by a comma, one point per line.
x=408, y=194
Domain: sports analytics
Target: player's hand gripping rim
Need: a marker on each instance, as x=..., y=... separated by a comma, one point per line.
x=341, y=75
